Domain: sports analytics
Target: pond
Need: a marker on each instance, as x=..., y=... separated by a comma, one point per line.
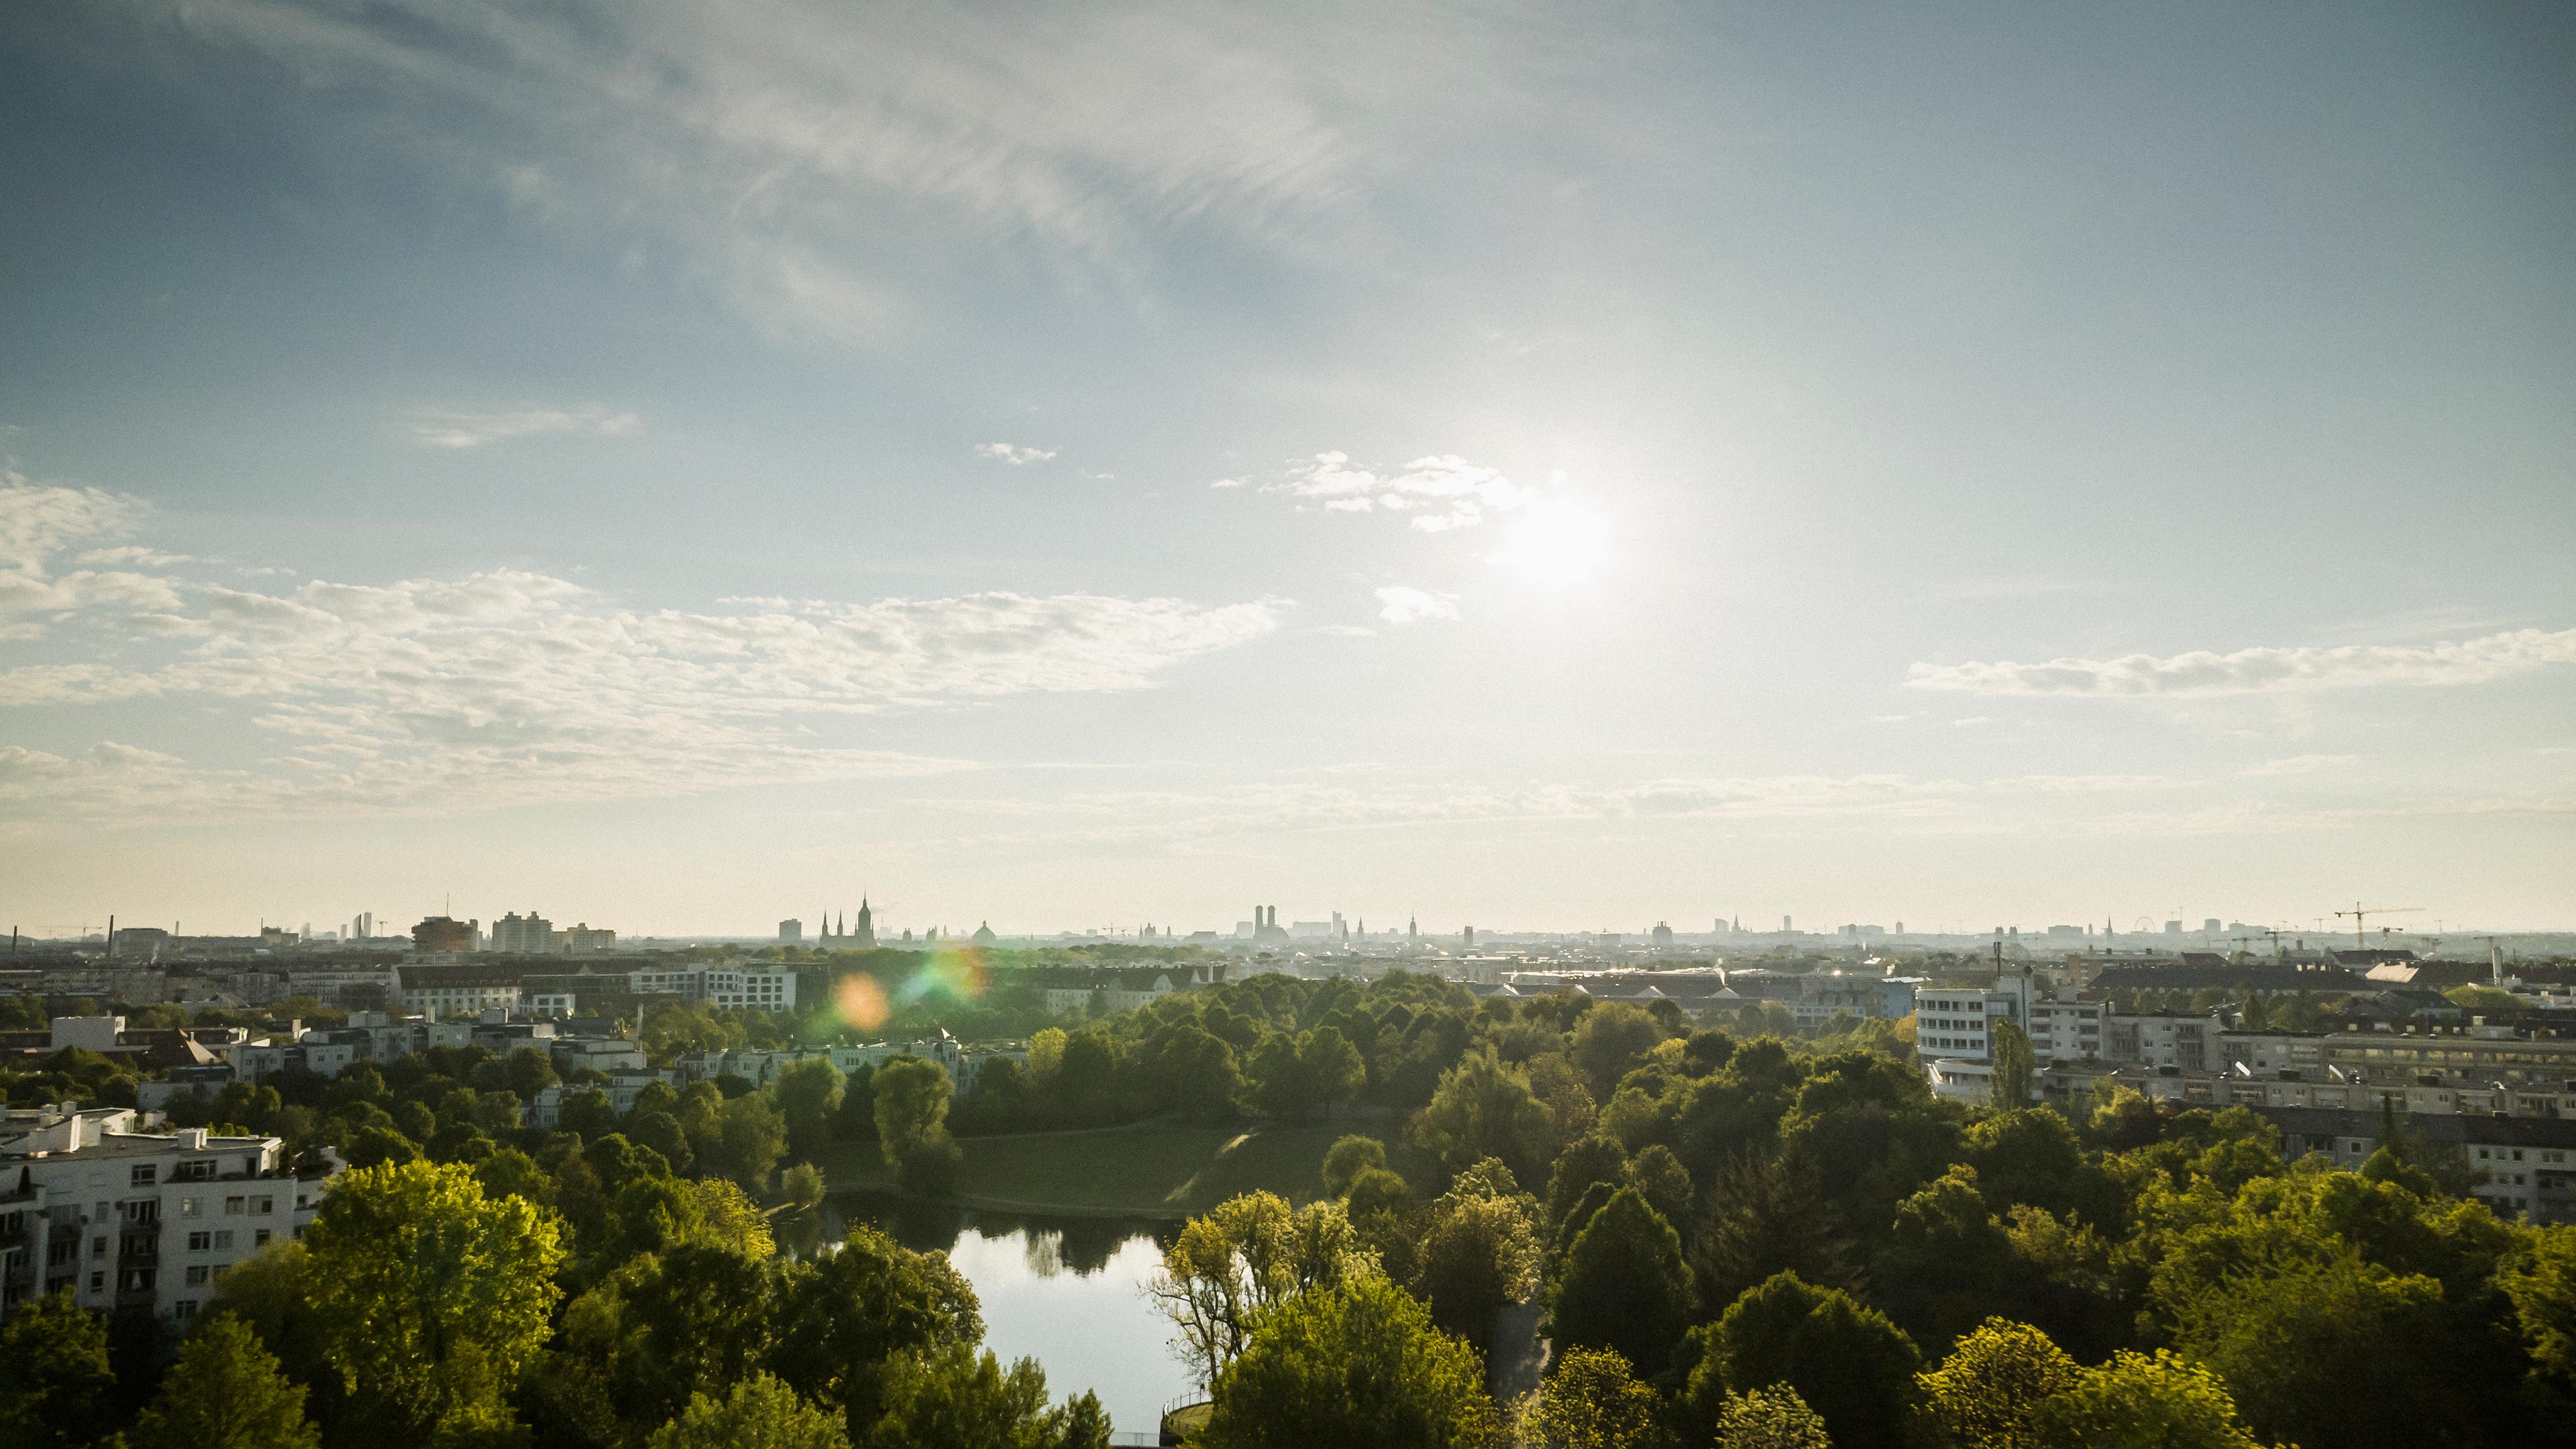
x=1068, y=1292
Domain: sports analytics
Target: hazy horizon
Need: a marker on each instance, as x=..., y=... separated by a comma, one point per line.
x=676, y=468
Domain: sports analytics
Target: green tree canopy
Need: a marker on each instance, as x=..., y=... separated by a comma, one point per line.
x=54, y=1374
x=953, y=1397
x=760, y=1413
x=1347, y=1159
x=1624, y=1286
x=809, y=1092
x=1847, y=1362
x=226, y=1391
x=2138, y=1401
x=430, y=1296
x=1772, y=1418
x=1354, y=1365
x=1984, y=1394
x=1483, y=1108
x=1590, y=1400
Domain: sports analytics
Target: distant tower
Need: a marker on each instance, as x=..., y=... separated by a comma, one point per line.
x=1412, y=929
x=867, y=924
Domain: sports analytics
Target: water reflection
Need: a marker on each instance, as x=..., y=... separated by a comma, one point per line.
x=1068, y=1292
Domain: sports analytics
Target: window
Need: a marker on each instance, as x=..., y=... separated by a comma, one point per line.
x=144, y=1174
x=260, y=1239
x=263, y=1205
x=224, y=1241
x=235, y=1206
x=189, y=1207
x=197, y=1276
x=200, y=1242
x=185, y=1308
x=98, y=1247
x=98, y=1282
x=201, y=1170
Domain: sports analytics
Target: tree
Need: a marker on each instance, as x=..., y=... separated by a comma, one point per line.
x=2141, y=1402
x=952, y=1397
x=694, y=1319
x=1330, y=1066
x=226, y=1392
x=803, y=1186
x=809, y=1092
x=54, y=1374
x=1767, y=1215
x=1772, y=1418
x=1348, y=1158
x=1590, y=1401
x=1244, y=1255
x=2015, y=1070
x=1483, y=1108
x=842, y=1317
x=760, y=1413
x=1847, y=1362
x=751, y=1136
x=1984, y=1394
x=1610, y=1039
x=1624, y=1286
x=2542, y=1286
x=1479, y=1253
x=1357, y=1364
x=1585, y=1162
x=912, y=1097
x=431, y=1297
x=528, y=1071
x=1946, y=1262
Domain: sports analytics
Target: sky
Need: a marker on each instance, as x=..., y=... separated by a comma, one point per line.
x=677, y=467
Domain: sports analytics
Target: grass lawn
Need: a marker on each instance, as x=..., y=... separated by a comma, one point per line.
x=1161, y=1171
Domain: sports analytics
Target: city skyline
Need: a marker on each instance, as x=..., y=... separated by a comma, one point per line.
x=1559, y=467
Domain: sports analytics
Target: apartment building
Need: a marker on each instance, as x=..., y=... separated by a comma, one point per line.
x=760, y=988
x=132, y=1219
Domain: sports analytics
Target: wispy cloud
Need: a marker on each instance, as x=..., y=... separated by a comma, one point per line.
x=772, y=140
x=439, y=429
x=1400, y=605
x=501, y=686
x=1013, y=454
x=2263, y=670
x=2296, y=765
x=1441, y=492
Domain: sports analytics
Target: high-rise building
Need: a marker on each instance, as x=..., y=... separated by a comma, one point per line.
x=2210, y=925
x=790, y=931
x=528, y=935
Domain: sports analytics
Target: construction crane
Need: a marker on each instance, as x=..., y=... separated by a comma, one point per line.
x=2360, y=915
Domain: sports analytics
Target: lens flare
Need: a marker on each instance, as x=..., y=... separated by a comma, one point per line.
x=859, y=1002
x=952, y=973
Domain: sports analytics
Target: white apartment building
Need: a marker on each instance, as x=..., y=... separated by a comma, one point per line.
x=761, y=988
x=131, y=1219
x=437, y=991
x=2066, y=1031
x=1953, y=1033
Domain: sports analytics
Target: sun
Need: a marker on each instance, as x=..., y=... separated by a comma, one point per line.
x=1558, y=542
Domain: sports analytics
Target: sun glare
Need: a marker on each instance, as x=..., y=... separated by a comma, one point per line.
x=1558, y=542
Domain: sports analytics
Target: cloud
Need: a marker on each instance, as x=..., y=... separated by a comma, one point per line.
x=1229, y=483
x=2295, y=765
x=2262, y=670
x=803, y=151
x=1015, y=456
x=1453, y=492
x=38, y=522
x=1400, y=605
x=473, y=430
x=518, y=687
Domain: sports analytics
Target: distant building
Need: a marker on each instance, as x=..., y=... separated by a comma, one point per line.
x=1663, y=936
x=528, y=935
x=443, y=933
x=759, y=988
x=791, y=931
x=586, y=940
x=436, y=991
x=864, y=937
